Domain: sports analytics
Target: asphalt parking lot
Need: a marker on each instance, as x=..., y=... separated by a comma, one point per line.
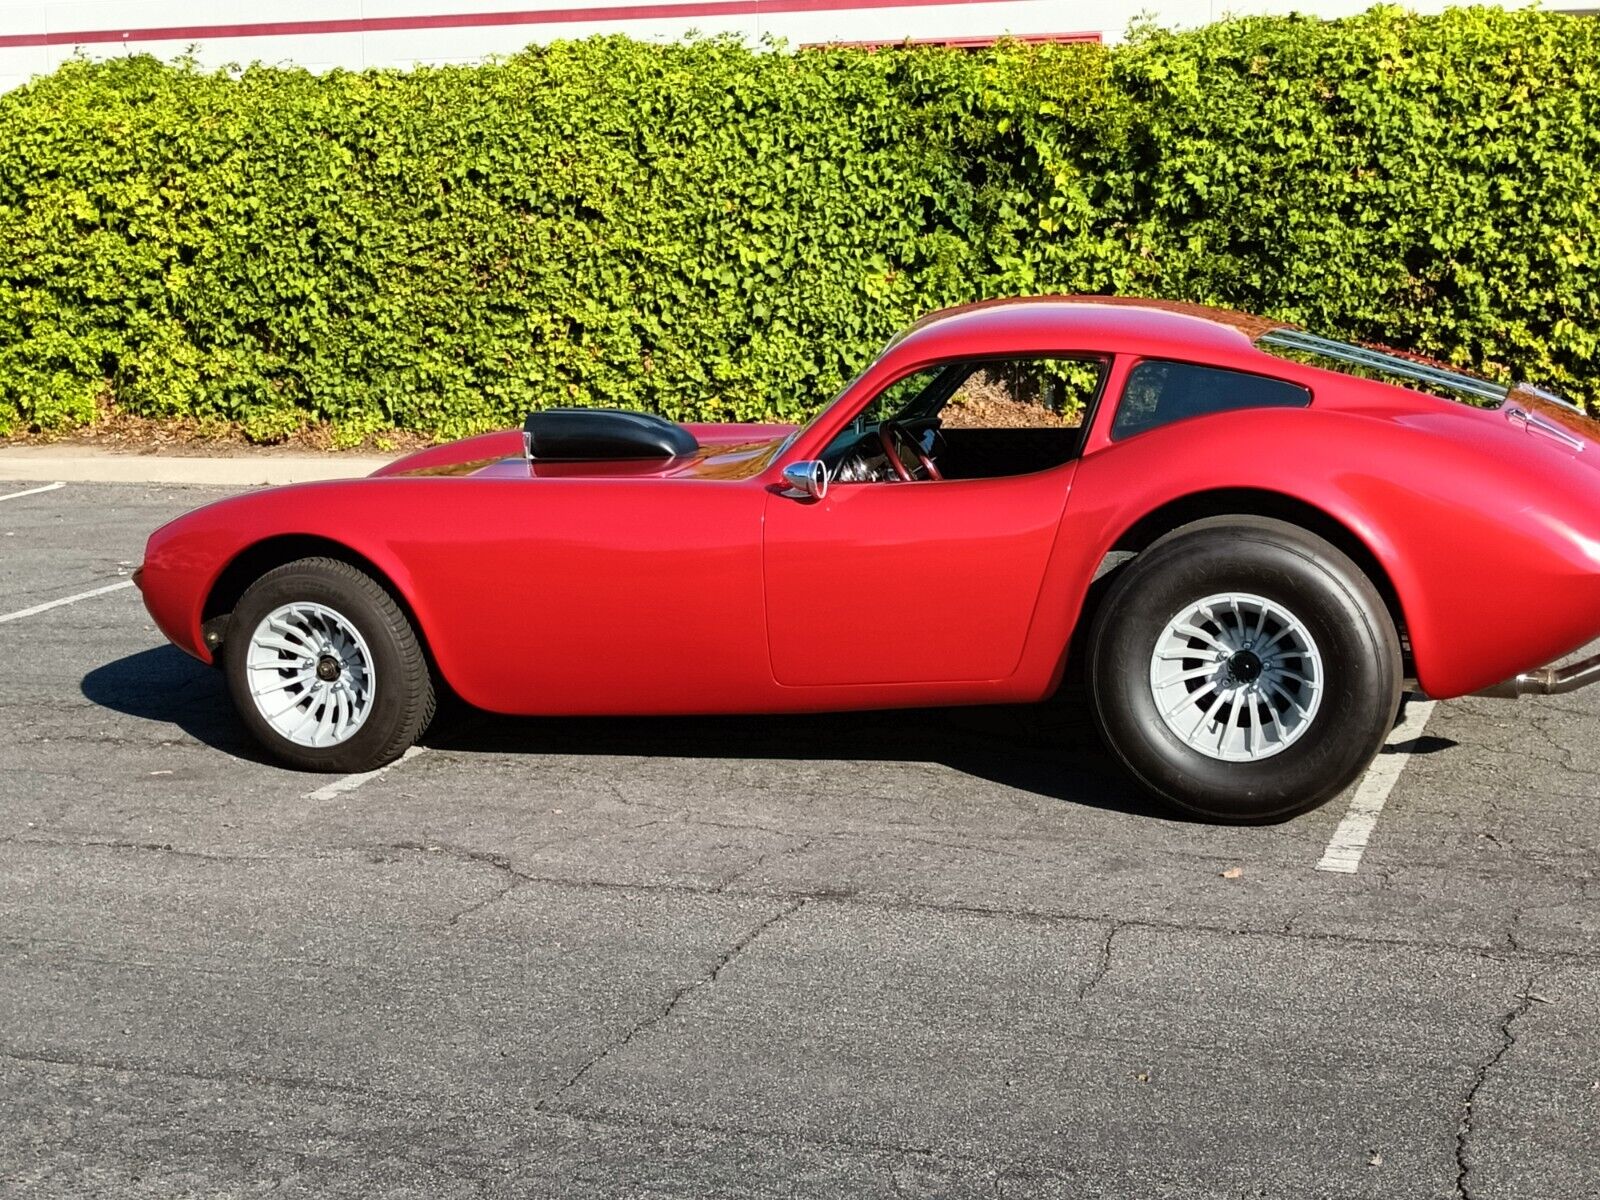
x=930, y=953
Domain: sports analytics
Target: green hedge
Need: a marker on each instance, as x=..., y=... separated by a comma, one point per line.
x=713, y=232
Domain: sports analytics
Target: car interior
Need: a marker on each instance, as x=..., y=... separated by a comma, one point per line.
x=969, y=419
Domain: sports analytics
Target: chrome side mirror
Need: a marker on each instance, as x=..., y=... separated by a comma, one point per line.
x=806, y=480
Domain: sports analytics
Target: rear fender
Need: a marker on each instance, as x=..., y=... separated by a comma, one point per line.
x=1462, y=532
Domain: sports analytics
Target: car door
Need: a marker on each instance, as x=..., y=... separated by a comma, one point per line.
x=882, y=583
x=932, y=580
x=896, y=578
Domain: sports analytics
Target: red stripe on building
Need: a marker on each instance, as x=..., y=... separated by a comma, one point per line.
x=957, y=43
x=542, y=16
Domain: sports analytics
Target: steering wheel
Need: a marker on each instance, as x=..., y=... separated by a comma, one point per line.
x=890, y=432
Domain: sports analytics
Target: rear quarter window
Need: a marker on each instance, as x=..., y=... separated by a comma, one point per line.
x=1160, y=392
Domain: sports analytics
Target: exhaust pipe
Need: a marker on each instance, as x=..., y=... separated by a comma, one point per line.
x=1547, y=681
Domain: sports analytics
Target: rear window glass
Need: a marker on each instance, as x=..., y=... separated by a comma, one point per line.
x=1382, y=365
x=1159, y=393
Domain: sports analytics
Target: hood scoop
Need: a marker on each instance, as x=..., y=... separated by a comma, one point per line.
x=592, y=434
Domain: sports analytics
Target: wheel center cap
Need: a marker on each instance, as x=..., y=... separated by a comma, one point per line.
x=327, y=668
x=1245, y=666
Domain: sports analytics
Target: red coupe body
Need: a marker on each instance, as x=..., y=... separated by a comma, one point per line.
x=699, y=584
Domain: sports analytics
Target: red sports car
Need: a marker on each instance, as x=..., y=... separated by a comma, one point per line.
x=1251, y=537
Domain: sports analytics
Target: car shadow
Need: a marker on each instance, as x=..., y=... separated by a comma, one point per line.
x=164, y=684
x=1047, y=749
x=1426, y=743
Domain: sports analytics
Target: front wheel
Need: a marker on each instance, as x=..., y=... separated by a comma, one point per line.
x=325, y=669
x=1244, y=669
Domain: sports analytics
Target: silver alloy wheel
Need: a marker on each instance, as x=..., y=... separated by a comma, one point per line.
x=310, y=674
x=1236, y=677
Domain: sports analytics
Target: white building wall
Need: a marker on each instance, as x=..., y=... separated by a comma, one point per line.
x=37, y=35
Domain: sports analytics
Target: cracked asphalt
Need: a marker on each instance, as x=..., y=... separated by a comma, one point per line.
x=920, y=954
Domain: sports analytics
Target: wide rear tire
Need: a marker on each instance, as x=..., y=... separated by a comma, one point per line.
x=325, y=669
x=1244, y=669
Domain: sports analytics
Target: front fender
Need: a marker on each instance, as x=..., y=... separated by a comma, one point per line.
x=186, y=558
x=531, y=595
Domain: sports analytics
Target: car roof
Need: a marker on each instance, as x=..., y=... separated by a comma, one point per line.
x=1087, y=322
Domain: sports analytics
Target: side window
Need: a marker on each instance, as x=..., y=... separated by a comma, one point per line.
x=970, y=418
x=1025, y=393
x=1159, y=393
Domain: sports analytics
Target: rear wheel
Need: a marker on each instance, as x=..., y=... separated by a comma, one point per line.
x=325, y=669
x=1244, y=669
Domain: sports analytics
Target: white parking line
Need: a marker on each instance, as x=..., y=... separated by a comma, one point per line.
x=1349, y=841
x=46, y=607
x=49, y=487
x=351, y=782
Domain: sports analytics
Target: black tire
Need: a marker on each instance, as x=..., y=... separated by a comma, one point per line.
x=1307, y=577
x=403, y=699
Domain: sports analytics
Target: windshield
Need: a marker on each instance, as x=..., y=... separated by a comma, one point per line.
x=913, y=398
